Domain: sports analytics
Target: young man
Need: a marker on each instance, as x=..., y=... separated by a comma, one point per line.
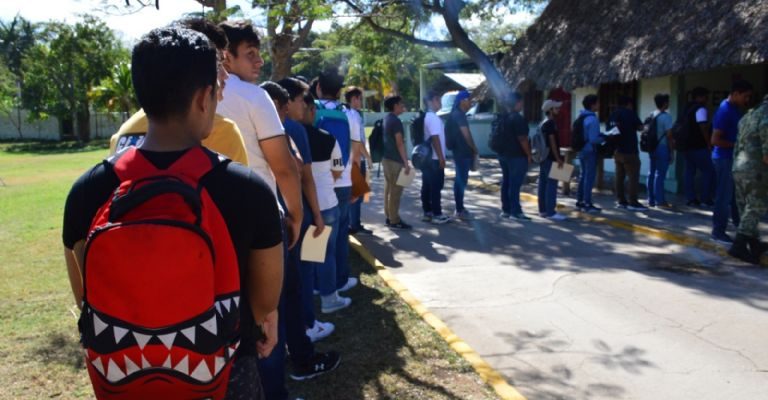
x=354, y=99
x=696, y=149
x=174, y=76
x=627, y=155
x=393, y=161
x=514, y=157
x=459, y=140
x=663, y=155
x=588, y=155
x=329, y=85
x=225, y=136
x=547, y=191
x=750, y=175
x=307, y=363
x=434, y=176
x=724, y=135
x=254, y=113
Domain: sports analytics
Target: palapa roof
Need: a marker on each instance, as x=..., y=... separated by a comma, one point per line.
x=577, y=43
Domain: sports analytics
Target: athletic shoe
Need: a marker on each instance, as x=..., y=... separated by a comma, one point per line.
x=400, y=225
x=505, y=215
x=441, y=219
x=427, y=217
x=693, y=203
x=637, y=207
x=320, y=330
x=723, y=239
x=521, y=217
x=317, y=365
x=591, y=208
x=557, y=217
x=361, y=230
x=386, y=222
x=334, y=302
x=708, y=204
x=462, y=215
x=622, y=206
x=581, y=206
x=351, y=282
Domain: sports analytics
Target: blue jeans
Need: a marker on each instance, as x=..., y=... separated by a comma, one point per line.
x=325, y=271
x=513, y=170
x=343, y=194
x=354, y=209
x=588, y=163
x=547, y=191
x=698, y=160
x=462, y=166
x=657, y=175
x=433, y=180
x=724, y=194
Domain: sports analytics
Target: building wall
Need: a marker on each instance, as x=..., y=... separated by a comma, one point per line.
x=103, y=125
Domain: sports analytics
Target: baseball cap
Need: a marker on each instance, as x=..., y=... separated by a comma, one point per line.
x=550, y=104
x=463, y=94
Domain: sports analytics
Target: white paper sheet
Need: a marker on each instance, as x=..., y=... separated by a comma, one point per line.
x=404, y=179
x=561, y=174
x=313, y=248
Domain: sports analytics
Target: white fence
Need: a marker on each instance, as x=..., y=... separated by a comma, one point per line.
x=103, y=125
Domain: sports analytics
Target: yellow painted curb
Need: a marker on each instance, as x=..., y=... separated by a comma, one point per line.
x=486, y=372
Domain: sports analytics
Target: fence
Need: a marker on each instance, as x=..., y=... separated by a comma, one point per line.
x=103, y=125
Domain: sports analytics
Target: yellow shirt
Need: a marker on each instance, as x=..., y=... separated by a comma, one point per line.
x=225, y=137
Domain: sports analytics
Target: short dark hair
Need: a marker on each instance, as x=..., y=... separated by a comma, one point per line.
x=330, y=82
x=294, y=87
x=168, y=66
x=661, y=100
x=589, y=101
x=238, y=32
x=741, y=86
x=212, y=31
x=625, y=101
x=276, y=93
x=431, y=95
x=352, y=92
x=699, y=91
x=391, y=101
x=309, y=100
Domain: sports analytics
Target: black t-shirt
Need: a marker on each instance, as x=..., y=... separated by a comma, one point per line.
x=392, y=126
x=549, y=128
x=514, y=127
x=628, y=122
x=245, y=201
x=456, y=120
x=695, y=140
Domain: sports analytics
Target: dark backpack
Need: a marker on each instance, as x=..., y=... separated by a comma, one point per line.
x=649, y=138
x=335, y=122
x=682, y=126
x=578, y=141
x=160, y=314
x=496, y=138
x=417, y=129
x=376, y=141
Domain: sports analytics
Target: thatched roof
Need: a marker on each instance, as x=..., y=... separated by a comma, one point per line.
x=576, y=43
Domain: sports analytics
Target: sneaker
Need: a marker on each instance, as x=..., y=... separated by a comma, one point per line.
x=427, y=217
x=580, y=206
x=318, y=364
x=386, y=222
x=622, y=206
x=708, y=203
x=320, y=330
x=722, y=238
x=521, y=217
x=361, y=230
x=637, y=207
x=693, y=203
x=591, y=208
x=505, y=215
x=441, y=219
x=400, y=225
x=463, y=215
x=334, y=302
x=557, y=217
x=351, y=282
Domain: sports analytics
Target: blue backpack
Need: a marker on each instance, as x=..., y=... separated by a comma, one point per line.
x=334, y=121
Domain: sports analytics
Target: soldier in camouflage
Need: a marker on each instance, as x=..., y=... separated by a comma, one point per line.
x=750, y=175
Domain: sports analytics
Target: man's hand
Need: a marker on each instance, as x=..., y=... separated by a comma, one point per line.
x=264, y=347
x=560, y=164
x=320, y=226
x=765, y=159
x=293, y=226
x=442, y=163
x=530, y=159
x=407, y=169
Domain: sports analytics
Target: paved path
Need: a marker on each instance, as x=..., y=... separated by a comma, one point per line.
x=583, y=310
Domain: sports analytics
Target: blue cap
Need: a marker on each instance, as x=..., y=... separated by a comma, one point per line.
x=463, y=94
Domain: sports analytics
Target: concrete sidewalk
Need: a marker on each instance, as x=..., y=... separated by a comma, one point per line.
x=579, y=309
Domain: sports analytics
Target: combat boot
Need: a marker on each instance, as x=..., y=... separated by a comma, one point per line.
x=740, y=250
x=757, y=247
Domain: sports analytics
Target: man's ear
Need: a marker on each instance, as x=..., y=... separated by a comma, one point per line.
x=204, y=99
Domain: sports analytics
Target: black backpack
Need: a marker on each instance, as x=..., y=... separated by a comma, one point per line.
x=496, y=138
x=417, y=129
x=649, y=138
x=376, y=141
x=682, y=126
x=577, y=133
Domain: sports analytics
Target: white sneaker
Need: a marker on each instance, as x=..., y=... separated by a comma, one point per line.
x=441, y=219
x=351, y=282
x=320, y=330
x=557, y=217
x=334, y=302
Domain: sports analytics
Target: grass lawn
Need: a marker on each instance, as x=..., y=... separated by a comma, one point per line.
x=388, y=352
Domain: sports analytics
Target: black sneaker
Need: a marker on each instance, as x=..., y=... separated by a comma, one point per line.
x=400, y=225
x=361, y=230
x=386, y=222
x=693, y=203
x=318, y=364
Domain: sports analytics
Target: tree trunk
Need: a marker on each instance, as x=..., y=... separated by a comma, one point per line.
x=83, y=123
x=280, y=49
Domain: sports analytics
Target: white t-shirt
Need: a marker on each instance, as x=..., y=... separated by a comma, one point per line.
x=354, y=131
x=321, y=171
x=433, y=126
x=701, y=115
x=254, y=113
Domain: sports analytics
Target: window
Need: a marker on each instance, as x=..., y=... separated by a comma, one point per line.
x=609, y=94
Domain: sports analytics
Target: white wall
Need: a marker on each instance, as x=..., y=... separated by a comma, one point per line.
x=102, y=125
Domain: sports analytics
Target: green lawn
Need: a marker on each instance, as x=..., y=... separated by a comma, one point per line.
x=387, y=351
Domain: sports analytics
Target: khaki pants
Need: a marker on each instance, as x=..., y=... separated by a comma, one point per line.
x=392, y=192
x=627, y=165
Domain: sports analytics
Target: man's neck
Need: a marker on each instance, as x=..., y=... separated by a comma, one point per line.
x=168, y=136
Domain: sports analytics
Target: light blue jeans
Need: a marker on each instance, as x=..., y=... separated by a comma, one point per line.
x=658, y=174
x=588, y=162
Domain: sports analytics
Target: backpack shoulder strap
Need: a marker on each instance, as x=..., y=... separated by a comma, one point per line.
x=130, y=164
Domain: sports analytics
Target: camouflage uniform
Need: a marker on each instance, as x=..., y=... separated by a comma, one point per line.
x=750, y=174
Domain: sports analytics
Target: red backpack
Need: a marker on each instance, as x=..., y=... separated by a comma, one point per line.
x=161, y=312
